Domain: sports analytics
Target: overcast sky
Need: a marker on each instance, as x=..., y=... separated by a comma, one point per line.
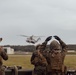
x=37, y=17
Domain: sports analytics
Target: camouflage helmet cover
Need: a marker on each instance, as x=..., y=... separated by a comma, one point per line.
x=55, y=45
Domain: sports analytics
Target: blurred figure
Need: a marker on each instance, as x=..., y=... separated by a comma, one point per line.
x=38, y=58
x=1, y=39
x=3, y=56
x=56, y=57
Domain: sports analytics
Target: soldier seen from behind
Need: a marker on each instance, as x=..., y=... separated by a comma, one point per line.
x=3, y=56
x=56, y=57
x=38, y=58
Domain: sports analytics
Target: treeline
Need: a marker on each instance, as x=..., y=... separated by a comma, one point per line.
x=72, y=47
x=28, y=48
x=31, y=48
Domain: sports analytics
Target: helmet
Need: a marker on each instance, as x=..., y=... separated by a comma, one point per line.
x=40, y=46
x=55, y=45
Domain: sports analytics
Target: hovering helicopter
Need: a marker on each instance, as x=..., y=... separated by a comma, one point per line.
x=32, y=39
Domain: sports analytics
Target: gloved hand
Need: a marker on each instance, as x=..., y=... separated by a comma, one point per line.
x=48, y=38
x=56, y=37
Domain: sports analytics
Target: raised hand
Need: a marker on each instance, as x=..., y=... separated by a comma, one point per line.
x=48, y=38
x=56, y=37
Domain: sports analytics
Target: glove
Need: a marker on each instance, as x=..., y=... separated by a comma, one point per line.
x=56, y=37
x=48, y=38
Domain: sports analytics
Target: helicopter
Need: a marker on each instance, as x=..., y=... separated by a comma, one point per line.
x=32, y=39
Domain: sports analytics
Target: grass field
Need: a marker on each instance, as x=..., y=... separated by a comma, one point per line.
x=24, y=61
x=70, y=61
x=19, y=60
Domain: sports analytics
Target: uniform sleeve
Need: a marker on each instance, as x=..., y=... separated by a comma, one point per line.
x=4, y=55
x=63, y=45
x=34, y=58
x=47, y=55
x=64, y=49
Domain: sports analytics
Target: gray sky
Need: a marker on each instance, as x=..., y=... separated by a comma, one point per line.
x=37, y=17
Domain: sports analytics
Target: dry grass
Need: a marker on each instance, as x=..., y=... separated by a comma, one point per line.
x=70, y=61
x=24, y=61
x=19, y=60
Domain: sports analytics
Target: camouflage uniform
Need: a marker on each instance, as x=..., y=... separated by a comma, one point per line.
x=38, y=59
x=56, y=57
x=4, y=56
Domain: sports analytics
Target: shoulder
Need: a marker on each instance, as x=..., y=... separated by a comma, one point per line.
x=35, y=52
x=1, y=49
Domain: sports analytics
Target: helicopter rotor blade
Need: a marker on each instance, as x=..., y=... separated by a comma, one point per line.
x=31, y=35
x=24, y=36
x=38, y=36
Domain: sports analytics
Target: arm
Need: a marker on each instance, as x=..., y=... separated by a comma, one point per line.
x=34, y=58
x=38, y=58
x=64, y=46
x=42, y=58
x=3, y=54
x=46, y=41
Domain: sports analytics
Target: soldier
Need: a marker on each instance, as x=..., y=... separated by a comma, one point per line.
x=4, y=56
x=56, y=57
x=38, y=59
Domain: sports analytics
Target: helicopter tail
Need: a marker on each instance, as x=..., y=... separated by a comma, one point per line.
x=38, y=39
